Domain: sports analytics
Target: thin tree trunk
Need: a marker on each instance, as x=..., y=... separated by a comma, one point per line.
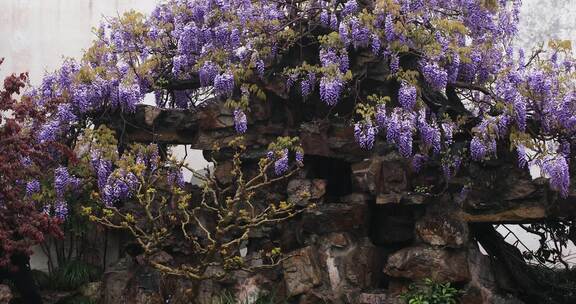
x=23, y=280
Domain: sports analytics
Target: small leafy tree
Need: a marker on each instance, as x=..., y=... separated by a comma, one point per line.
x=147, y=197
x=23, y=161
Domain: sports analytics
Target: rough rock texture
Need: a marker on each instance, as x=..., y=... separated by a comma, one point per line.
x=92, y=291
x=116, y=281
x=378, y=226
x=301, y=191
x=130, y=283
x=421, y=262
x=301, y=271
x=372, y=298
x=336, y=269
x=442, y=231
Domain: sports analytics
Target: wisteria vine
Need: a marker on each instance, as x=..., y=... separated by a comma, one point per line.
x=456, y=48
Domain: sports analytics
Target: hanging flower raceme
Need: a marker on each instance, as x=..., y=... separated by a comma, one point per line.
x=119, y=186
x=307, y=85
x=32, y=187
x=207, y=73
x=330, y=90
x=407, y=95
x=556, y=168
x=522, y=156
x=365, y=134
x=279, y=154
x=176, y=177
x=224, y=84
x=281, y=164
x=434, y=75
x=63, y=181
x=400, y=126
x=240, y=121
x=61, y=209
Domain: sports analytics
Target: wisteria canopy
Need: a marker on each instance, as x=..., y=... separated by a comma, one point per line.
x=455, y=90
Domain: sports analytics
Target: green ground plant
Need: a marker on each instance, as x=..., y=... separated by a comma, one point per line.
x=430, y=292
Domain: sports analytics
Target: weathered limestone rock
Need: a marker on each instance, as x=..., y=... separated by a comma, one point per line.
x=301, y=271
x=336, y=269
x=393, y=177
x=130, y=283
x=146, y=297
x=116, y=281
x=351, y=264
x=5, y=294
x=223, y=172
x=520, y=214
x=420, y=262
x=248, y=290
x=339, y=263
x=388, y=198
x=92, y=291
x=442, y=231
x=366, y=175
x=301, y=191
x=349, y=215
x=372, y=298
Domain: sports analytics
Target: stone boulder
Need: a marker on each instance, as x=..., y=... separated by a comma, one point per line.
x=351, y=214
x=92, y=291
x=420, y=262
x=301, y=271
x=376, y=297
x=442, y=231
x=301, y=191
x=352, y=264
x=366, y=175
x=115, y=283
x=127, y=282
x=5, y=294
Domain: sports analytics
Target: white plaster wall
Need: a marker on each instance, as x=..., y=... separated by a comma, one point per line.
x=35, y=35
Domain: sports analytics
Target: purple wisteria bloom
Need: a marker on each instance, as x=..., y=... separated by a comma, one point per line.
x=365, y=134
x=407, y=95
x=207, y=73
x=381, y=116
x=350, y=7
x=556, y=168
x=32, y=187
x=330, y=90
x=299, y=155
x=307, y=85
x=176, y=177
x=120, y=185
x=394, y=63
x=63, y=181
x=434, y=75
x=522, y=157
x=61, y=209
x=281, y=164
x=224, y=84
x=240, y=122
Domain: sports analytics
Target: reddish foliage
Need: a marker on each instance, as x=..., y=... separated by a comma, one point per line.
x=22, y=223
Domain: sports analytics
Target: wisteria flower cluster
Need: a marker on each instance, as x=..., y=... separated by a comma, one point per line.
x=279, y=153
x=63, y=182
x=445, y=57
